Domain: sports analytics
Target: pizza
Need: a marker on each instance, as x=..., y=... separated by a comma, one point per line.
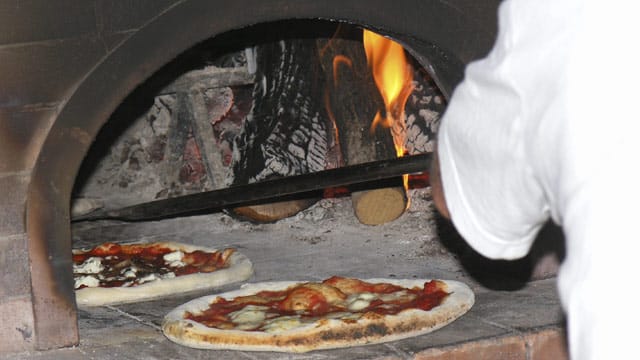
x=119, y=273
x=303, y=316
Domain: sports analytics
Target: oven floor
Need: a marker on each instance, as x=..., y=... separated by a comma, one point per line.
x=326, y=240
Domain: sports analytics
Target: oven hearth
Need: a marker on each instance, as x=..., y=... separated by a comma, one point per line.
x=325, y=240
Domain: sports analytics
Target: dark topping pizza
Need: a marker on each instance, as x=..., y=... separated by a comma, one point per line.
x=115, y=265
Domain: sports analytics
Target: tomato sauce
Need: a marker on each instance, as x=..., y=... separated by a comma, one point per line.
x=425, y=298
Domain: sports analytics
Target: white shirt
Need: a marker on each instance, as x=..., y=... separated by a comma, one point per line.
x=548, y=125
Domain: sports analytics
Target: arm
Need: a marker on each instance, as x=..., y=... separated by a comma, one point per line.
x=436, y=186
x=489, y=138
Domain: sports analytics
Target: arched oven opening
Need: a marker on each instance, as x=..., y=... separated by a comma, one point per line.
x=221, y=43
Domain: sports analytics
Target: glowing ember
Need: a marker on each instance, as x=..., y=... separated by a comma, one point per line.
x=393, y=77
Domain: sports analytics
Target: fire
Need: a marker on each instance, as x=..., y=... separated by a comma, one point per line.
x=393, y=77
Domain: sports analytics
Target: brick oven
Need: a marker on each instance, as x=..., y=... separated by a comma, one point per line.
x=66, y=66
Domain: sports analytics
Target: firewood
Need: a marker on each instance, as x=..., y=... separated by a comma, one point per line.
x=191, y=120
x=379, y=206
x=285, y=133
x=353, y=100
x=266, y=213
x=210, y=77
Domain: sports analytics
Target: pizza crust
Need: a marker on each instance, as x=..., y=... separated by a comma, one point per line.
x=239, y=269
x=327, y=334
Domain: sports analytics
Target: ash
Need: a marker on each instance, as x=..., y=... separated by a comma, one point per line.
x=416, y=227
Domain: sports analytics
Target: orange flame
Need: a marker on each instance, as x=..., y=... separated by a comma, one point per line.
x=393, y=77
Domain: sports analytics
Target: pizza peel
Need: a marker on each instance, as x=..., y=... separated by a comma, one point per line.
x=234, y=196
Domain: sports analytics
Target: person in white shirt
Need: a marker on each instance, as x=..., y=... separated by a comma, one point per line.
x=548, y=126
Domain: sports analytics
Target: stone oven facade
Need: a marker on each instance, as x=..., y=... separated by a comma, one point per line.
x=66, y=65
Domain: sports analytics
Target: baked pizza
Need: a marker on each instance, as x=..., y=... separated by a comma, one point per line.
x=119, y=273
x=302, y=316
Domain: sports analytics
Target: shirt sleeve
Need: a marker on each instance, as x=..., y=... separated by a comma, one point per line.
x=548, y=123
x=494, y=197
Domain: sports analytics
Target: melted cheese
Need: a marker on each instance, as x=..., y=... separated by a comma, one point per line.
x=360, y=301
x=343, y=316
x=88, y=281
x=169, y=275
x=174, y=259
x=250, y=314
x=148, y=278
x=402, y=295
x=129, y=273
x=282, y=323
x=92, y=265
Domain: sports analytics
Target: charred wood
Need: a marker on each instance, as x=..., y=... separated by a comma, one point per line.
x=203, y=96
x=210, y=77
x=286, y=132
x=179, y=132
x=422, y=111
x=155, y=152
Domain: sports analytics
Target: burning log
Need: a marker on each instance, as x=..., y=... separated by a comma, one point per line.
x=352, y=101
x=285, y=133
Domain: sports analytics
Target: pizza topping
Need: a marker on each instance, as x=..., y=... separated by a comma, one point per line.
x=129, y=272
x=92, y=265
x=301, y=304
x=147, y=278
x=117, y=265
x=359, y=301
x=351, y=286
x=169, y=275
x=282, y=323
x=86, y=281
x=311, y=298
x=174, y=259
x=249, y=318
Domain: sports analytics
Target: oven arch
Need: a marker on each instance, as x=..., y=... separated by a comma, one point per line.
x=443, y=36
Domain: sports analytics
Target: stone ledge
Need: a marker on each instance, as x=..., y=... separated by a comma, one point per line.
x=18, y=312
x=536, y=345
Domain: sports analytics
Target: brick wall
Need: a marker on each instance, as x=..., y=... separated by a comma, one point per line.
x=46, y=49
